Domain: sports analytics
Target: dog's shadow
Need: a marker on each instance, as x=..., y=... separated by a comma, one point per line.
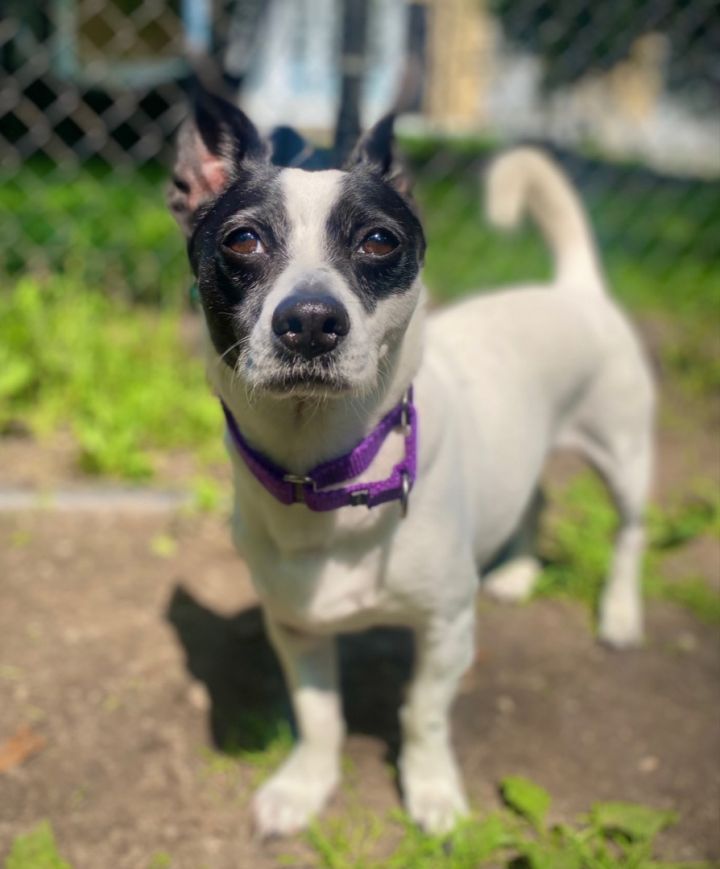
x=248, y=699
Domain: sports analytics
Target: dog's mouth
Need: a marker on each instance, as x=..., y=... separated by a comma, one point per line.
x=316, y=378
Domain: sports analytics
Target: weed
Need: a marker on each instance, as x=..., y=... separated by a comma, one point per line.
x=160, y=860
x=692, y=592
x=207, y=494
x=215, y=763
x=262, y=743
x=527, y=799
x=691, y=357
x=610, y=836
x=117, y=377
x=163, y=546
x=36, y=850
x=680, y=523
x=577, y=539
x=278, y=744
x=115, y=237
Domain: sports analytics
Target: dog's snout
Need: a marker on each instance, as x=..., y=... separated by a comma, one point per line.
x=310, y=325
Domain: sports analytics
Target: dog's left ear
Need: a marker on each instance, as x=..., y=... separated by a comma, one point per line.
x=376, y=151
x=211, y=146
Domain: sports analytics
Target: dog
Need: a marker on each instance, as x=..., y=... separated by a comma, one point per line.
x=383, y=458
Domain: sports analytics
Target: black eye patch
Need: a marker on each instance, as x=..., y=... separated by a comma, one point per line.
x=238, y=252
x=374, y=239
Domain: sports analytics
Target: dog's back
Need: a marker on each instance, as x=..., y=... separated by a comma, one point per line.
x=548, y=365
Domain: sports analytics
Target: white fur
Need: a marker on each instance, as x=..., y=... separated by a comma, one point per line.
x=502, y=379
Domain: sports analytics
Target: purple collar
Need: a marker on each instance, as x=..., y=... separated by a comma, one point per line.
x=312, y=490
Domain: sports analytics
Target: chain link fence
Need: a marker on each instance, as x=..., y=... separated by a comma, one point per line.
x=624, y=92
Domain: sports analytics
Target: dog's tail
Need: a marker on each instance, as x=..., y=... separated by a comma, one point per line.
x=525, y=180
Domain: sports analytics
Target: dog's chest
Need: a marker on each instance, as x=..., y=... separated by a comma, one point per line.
x=317, y=575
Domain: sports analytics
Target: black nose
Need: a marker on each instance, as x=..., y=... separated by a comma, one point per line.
x=310, y=325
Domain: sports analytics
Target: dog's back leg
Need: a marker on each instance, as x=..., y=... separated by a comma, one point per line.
x=514, y=577
x=628, y=478
x=623, y=456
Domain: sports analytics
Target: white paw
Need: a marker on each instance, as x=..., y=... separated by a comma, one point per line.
x=512, y=582
x=621, y=622
x=288, y=801
x=433, y=794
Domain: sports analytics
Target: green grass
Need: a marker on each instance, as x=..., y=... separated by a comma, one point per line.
x=520, y=836
x=111, y=235
x=160, y=860
x=658, y=237
x=657, y=254
x=261, y=743
x=116, y=376
x=36, y=850
x=576, y=544
x=75, y=355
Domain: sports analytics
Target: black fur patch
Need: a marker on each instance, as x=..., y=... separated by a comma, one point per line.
x=232, y=288
x=366, y=203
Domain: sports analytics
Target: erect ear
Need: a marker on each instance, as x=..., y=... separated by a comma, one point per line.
x=375, y=150
x=212, y=144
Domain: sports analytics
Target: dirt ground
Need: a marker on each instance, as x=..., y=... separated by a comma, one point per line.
x=131, y=644
x=130, y=664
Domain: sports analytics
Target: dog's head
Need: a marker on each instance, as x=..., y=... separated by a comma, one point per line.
x=308, y=279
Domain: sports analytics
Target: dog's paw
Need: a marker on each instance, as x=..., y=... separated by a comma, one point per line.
x=436, y=806
x=512, y=582
x=289, y=800
x=621, y=623
x=433, y=794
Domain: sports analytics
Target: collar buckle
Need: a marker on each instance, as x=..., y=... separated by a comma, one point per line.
x=298, y=482
x=359, y=498
x=405, y=494
x=290, y=488
x=405, y=412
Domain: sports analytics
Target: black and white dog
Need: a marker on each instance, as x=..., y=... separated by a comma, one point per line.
x=344, y=403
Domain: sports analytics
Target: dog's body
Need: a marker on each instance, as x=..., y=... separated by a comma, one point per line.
x=498, y=382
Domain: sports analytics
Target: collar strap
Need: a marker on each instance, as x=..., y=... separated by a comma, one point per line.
x=311, y=489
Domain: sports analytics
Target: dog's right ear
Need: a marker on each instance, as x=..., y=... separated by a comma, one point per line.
x=211, y=145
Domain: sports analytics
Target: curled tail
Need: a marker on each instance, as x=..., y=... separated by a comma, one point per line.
x=525, y=180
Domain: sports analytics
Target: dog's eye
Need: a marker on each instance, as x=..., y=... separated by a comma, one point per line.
x=379, y=243
x=244, y=241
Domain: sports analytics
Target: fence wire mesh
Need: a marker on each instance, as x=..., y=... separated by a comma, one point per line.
x=625, y=92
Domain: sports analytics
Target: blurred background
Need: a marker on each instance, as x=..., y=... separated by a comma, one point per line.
x=625, y=93
x=113, y=480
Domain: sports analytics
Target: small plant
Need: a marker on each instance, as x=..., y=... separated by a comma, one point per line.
x=117, y=377
x=577, y=539
x=699, y=514
x=36, y=850
x=207, y=494
x=611, y=836
x=160, y=860
x=261, y=742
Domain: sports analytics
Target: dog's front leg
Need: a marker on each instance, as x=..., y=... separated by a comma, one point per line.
x=300, y=788
x=430, y=779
